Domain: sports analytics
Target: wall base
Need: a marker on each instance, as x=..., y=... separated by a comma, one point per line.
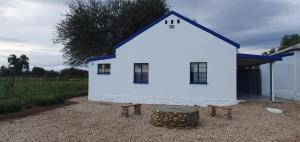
x=162, y=100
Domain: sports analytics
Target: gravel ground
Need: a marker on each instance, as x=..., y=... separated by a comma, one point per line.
x=96, y=121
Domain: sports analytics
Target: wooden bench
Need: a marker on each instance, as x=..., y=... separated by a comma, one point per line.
x=125, y=109
x=228, y=110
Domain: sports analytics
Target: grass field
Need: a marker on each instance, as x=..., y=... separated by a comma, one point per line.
x=31, y=92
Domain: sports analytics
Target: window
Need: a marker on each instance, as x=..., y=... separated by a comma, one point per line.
x=141, y=72
x=103, y=68
x=172, y=21
x=198, y=73
x=178, y=21
x=166, y=21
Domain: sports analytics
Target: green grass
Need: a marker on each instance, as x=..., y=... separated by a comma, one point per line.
x=33, y=92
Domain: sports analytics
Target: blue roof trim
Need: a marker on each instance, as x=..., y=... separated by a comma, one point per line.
x=291, y=50
x=206, y=29
x=286, y=54
x=259, y=57
x=96, y=58
x=142, y=30
x=183, y=18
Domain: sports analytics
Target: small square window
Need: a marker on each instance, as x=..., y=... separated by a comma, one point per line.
x=103, y=68
x=178, y=21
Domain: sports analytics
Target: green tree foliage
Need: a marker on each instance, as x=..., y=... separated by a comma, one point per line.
x=286, y=41
x=73, y=72
x=24, y=61
x=93, y=27
x=38, y=71
x=273, y=50
x=4, y=71
x=52, y=73
x=17, y=66
x=289, y=40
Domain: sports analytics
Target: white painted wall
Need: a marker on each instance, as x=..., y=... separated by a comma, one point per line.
x=286, y=78
x=297, y=75
x=169, y=53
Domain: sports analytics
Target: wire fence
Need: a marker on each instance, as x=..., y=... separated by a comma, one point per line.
x=11, y=87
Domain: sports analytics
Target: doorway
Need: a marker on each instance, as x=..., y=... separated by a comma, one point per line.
x=248, y=82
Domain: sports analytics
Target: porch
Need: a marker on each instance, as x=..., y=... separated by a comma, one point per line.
x=249, y=85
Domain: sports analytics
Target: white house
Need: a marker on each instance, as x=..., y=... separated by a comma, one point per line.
x=174, y=60
x=286, y=74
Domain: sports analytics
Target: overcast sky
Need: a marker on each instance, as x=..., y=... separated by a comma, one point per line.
x=27, y=26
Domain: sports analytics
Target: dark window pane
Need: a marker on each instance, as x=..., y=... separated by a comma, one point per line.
x=198, y=73
x=202, y=65
x=145, y=66
x=137, y=67
x=103, y=68
x=141, y=72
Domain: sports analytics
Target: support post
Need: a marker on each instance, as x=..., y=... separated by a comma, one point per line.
x=272, y=93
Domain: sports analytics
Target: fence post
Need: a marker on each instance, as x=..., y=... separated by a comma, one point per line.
x=40, y=84
x=57, y=85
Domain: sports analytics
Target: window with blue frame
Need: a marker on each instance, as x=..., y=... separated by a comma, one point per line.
x=103, y=68
x=141, y=73
x=198, y=73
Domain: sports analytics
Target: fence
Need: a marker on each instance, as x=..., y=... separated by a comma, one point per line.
x=42, y=86
x=18, y=93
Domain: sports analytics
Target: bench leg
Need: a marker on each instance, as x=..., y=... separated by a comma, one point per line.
x=125, y=112
x=137, y=109
x=213, y=111
x=228, y=114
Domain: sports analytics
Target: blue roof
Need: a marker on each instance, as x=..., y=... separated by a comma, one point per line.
x=96, y=58
x=286, y=54
x=287, y=51
x=259, y=57
x=157, y=21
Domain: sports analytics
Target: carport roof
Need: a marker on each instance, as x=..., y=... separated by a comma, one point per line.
x=251, y=60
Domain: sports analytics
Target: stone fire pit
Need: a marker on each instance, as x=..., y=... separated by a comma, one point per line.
x=175, y=117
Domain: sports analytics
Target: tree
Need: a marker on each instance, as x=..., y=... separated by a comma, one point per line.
x=24, y=61
x=4, y=71
x=286, y=41
x=289, y=40
x=38, y=71
x=273, y=50
x=93, y=27
x=52, y=73
x=73, y=72
x=17, y=65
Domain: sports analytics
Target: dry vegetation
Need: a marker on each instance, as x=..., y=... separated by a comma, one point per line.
x=91, y=121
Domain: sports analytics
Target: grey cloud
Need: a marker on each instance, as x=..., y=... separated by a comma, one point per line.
x=249, y=22
x=52, y=2
x=234, y=14
x=7, y=39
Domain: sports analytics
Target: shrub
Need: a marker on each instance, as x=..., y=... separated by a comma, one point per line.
x=46, y=100
x=9, y=87
x=10, y=106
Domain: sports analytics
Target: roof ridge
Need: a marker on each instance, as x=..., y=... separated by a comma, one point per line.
x=229, y=41
x=185, y=19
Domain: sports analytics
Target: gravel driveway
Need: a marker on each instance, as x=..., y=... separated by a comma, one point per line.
x=96, y=121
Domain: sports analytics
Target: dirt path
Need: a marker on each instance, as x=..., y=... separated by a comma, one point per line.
x=91, y=121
